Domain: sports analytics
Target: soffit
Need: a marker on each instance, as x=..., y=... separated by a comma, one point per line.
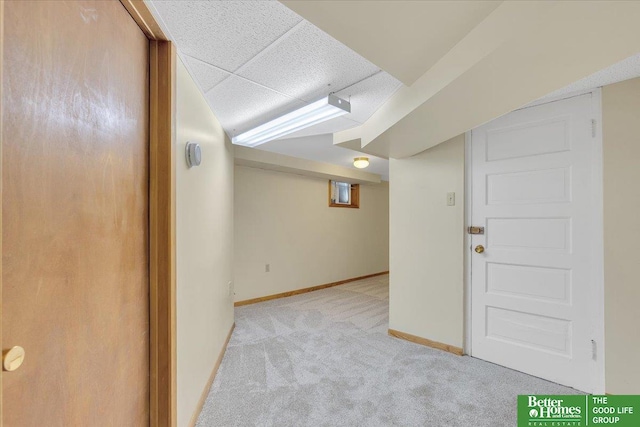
x=321, y=148
x=521, y=52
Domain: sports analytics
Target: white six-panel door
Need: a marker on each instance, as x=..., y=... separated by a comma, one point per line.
x=536, y=299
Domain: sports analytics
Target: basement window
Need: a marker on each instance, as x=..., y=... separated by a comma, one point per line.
x=344, y=195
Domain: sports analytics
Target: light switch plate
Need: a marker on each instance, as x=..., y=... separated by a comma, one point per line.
x=451, y=199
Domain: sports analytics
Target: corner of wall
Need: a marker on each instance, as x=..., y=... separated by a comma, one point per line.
x=621, y=151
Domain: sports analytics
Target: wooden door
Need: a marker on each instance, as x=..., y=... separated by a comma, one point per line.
x=534, y=288
x=75, y=275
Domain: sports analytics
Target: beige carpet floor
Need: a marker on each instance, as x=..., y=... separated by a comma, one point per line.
x=324, y=359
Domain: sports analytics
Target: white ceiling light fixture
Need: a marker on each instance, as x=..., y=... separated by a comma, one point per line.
x=361, y=162
x=312, y=114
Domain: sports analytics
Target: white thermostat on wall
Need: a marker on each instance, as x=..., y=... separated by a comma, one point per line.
x=193, y=153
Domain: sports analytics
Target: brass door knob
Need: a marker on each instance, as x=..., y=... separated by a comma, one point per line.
x=12, y=359
x=479, y=249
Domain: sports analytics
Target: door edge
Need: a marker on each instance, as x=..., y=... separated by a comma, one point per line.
x=598, y=244
x=468, y=187
x=1, y=194
x=161, y=198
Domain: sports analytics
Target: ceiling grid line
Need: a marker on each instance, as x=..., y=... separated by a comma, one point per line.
x=193, y=58
x=240, y=77
x=270, y=47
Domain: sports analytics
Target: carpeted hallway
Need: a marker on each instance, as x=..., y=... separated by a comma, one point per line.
x=324, y=359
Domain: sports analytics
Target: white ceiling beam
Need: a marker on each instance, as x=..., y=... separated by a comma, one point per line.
x=252, y=157
x=575, y=40
x=503, y=24
x=521, y=52
x=403, y=37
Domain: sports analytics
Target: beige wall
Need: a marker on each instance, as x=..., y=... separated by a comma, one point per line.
x=283, y=219
x=426, y=237
x=204, y=233
x=621, y=140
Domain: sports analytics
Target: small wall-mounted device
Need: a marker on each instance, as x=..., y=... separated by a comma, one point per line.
x=193, y=154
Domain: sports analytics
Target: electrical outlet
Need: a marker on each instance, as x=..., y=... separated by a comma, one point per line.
x=451, y=199
x=267, y=268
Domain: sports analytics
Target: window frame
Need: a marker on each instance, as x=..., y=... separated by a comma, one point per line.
x=354, y=197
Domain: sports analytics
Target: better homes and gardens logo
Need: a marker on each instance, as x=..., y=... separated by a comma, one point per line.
x=578, y=411
x=552, y=410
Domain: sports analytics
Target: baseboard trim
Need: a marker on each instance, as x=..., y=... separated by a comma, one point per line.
x=205, y=392
x=305, y=290
x=427, y=342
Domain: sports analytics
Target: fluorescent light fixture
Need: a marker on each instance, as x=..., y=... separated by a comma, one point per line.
x=361, y=162
x=312, y=114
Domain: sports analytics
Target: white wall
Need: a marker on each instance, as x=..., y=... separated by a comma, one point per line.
x=621, y=141
x=204, y=233
x=426, y=238
x=427, y=263
x=283, y=219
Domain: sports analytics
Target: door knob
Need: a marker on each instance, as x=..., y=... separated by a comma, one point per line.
x=479, y=249
x=12, y=359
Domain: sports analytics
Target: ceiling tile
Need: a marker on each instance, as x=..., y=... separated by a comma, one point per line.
x=305, y=62
x=204, y=74
x=225, y=33
x=242, y=105
x=369, y=95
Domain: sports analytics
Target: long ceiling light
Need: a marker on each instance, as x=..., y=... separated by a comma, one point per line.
x=312, y=114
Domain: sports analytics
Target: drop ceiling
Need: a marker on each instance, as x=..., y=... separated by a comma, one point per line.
x=256, y=60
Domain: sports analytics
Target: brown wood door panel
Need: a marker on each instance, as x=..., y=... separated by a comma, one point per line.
x=75, y=172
